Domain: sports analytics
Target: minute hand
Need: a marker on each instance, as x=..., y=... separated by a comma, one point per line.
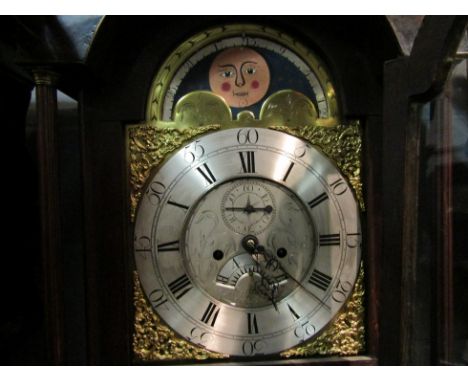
x=272, y=260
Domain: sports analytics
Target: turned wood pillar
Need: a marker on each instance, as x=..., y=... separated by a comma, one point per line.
x=48, y=162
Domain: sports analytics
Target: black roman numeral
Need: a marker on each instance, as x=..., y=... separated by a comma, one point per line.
x=316, y=201
x=183, y=206
x=169, y=247
x=252, y=323
x=331, y=239
x=248, y=161
x=320, y=280
x=180, y=286
x=205, y=171
x=211, y=314
x=288, y=171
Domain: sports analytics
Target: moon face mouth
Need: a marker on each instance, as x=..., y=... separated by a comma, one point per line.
x=240, y=94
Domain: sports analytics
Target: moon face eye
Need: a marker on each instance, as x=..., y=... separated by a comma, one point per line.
x=250, y=70
x=227, y=74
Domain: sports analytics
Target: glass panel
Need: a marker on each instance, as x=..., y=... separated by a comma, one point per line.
x=444, y=212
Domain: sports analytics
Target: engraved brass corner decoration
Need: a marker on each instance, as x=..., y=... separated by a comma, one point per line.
x=202, y=111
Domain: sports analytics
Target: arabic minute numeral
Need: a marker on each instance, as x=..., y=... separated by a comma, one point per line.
x=353, y=240
x=245, y=136
x=341, y=292
x=198, y=335
x=193, y=152
x=143, y=244
x=339, y=187
x=154, y=192
x=253, y=347
x=304, y=330
x=157, y=298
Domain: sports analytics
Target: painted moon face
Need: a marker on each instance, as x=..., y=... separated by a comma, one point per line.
x=240, y=75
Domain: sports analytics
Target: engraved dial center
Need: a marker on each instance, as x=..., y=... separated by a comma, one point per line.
x=225, y=232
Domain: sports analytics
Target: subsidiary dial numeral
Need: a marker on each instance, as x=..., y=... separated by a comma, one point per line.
x=248, y=161
x=206, y=173
x=211, y=314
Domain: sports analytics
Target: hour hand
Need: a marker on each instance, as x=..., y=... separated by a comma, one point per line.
x=250, y=209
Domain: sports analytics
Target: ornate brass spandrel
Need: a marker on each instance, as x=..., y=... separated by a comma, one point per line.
x=148, y=145
x=345, y=336
x=341, y=143
x=153, y=340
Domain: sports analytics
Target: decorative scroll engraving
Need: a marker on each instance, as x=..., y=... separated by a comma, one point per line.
x=341, y=143
x=154, y=341
x=150, y=143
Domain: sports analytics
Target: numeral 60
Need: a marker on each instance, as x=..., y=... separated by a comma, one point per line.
x=247, y=136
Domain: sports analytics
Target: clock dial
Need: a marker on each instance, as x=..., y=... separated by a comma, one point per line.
x=247, y=246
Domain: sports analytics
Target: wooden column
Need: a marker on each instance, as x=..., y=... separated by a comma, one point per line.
x=48, y=161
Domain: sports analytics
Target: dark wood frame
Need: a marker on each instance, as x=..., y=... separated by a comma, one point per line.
x=409, y=81
x=107, y=236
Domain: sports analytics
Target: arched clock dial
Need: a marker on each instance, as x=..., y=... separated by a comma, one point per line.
x=247, y=241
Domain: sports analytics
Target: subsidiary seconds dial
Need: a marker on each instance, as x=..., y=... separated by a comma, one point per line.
x=248, y=207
